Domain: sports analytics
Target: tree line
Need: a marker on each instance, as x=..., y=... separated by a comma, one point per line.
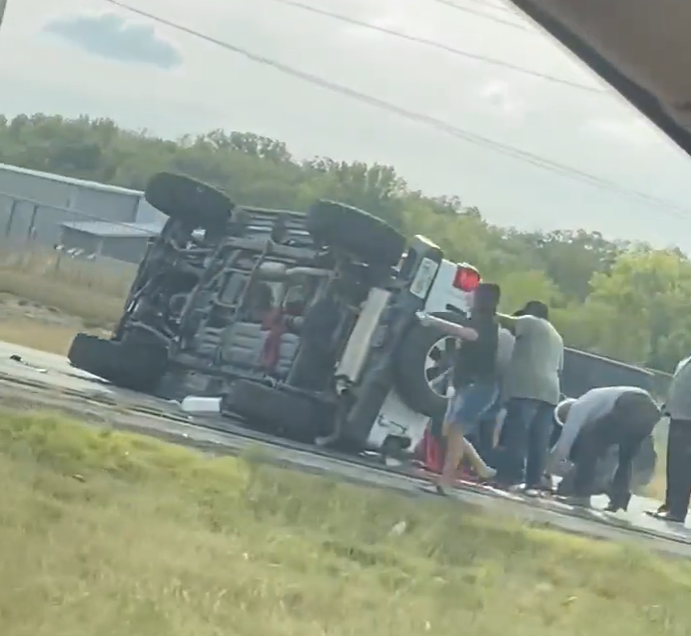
x=616, y=298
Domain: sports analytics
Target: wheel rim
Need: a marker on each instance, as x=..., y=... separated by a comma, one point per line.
x=439, y=359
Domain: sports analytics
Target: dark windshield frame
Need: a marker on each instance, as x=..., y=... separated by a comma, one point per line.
x=635, y=94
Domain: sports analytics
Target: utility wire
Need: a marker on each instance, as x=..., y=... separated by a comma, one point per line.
x=433, y=122
x=487, y=16
x=499, y=7
x=439, y=46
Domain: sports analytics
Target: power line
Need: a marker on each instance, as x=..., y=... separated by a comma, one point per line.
x=487, y=16
x=438, y=45
x=460, y=133
x=499, y=7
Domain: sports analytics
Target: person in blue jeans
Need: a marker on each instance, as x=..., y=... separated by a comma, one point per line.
x=474, y=379
x=532, y=390
x=485, y=440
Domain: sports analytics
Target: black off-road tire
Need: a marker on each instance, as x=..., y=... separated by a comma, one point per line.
x=409, y=367
x=137, y=366
x=91, y=354
x=267, y=408
x=182, y=197
x=354, y=231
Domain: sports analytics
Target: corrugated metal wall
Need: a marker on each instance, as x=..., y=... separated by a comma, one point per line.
x=130, y=249
x=33, y=207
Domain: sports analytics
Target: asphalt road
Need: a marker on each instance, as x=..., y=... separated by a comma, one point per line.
x=46, y=380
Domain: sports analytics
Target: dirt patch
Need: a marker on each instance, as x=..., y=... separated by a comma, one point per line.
x=19, y=309
x=31, y=324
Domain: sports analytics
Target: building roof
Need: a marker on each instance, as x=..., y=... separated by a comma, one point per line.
x=105, y=229
x=91, y=185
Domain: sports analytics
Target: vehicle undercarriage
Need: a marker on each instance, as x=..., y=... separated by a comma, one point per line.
x=295, y=319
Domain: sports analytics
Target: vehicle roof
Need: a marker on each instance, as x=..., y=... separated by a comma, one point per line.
x=642, y=48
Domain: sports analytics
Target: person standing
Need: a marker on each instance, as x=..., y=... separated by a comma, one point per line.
x=532, y=390
x=622, y=416
x=489, y=426
x=474, y=379
x=484, y=438
x=678, y=407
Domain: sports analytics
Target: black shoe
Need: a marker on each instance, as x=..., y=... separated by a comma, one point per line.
x=654, y=513
x=617, y=503
x=669, y=517
x=577, y=501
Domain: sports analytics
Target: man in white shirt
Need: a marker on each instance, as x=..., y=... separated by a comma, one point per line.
x=620, y=416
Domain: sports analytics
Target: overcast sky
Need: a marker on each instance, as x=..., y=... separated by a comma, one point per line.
x=87, y=56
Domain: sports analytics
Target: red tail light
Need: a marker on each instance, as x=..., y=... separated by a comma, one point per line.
x=467, y=278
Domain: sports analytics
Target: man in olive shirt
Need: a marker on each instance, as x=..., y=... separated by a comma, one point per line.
x=532, y=390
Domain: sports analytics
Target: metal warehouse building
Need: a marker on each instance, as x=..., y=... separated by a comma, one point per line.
x=40, y=207
x=120, y=241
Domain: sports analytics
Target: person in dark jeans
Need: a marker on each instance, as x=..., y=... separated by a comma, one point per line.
x=532, y=390
x=678, y=491
x=601, y=418
x=678, y=407
x=525, y=444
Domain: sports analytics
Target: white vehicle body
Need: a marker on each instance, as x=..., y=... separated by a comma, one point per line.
x=396, y=419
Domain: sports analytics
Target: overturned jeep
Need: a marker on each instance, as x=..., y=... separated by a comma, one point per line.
x=303, y=323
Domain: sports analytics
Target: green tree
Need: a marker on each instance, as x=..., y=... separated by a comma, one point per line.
x=642, y=307
x=626, y=301
x=518, y=287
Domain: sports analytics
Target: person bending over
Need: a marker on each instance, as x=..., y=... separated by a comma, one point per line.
x=620, y=416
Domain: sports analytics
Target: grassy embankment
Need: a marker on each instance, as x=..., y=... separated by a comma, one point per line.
x=105, y=533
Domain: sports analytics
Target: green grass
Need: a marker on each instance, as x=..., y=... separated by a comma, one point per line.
x=105, y=533
x=82, y=289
